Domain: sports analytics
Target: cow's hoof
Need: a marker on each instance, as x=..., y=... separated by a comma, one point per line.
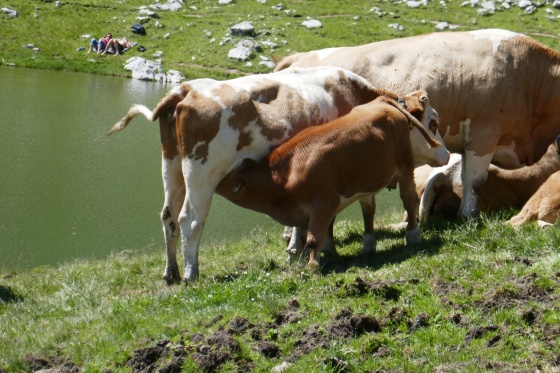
x=413, y=236
x=171, y=275
x=191, y=273
x=370, y=244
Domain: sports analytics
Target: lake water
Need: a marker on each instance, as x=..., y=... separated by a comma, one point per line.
x=67, y=191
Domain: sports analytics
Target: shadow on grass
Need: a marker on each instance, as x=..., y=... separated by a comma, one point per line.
x=397, y=253
x=8, y=295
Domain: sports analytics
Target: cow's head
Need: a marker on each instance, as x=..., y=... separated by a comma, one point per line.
x=418, y=105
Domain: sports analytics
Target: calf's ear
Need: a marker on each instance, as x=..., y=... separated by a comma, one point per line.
x=557, y=141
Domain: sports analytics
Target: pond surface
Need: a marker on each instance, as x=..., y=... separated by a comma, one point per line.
x=67, y=191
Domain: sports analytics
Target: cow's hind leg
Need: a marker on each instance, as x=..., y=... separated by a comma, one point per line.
x=174, y=188
x=319, y=221
x=410, y=203
x=192, y=219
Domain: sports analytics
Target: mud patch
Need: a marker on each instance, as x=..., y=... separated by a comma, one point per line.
x=8, y=295
x=361, y=287
x=290, y=314
x=344, y=325
x=58, y=364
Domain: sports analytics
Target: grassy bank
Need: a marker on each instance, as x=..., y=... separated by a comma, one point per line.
x=196, y=39
x=474, y=296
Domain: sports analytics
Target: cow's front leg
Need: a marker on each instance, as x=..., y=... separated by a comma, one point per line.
x=174, y=189
x=191, y=220
x=473, y=174
x=368, y=213
x=410, y=203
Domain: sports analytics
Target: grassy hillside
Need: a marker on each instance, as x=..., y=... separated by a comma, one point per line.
x=199, y=39
x=475, y=296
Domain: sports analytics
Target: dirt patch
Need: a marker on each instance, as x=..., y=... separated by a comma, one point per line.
x=290, y=314
x=58, y=364
x=361, y=287
x=344, y=325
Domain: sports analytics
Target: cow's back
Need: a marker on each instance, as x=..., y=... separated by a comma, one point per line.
x=491, y=76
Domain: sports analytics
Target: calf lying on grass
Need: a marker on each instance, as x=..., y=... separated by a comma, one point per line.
x=308, y=179
x=440, y=189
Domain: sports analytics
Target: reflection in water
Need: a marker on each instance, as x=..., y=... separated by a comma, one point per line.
x=67, y=191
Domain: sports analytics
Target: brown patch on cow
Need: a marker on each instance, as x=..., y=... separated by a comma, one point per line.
x=167, y=134
x=198, y=115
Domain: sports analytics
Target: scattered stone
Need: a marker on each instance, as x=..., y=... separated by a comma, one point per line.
x=243, y=28
x=524, y=4
x=29, y=46
x=171, y=5
x=312, y=23
x=148, y=13
x=396, y=26
x=278, y=6
x=143, y=20
x=442, y=26
x=57, y=4
x=225, y=2
x=10, y=12
x=416, y=4
x=80, y=49
x=143, y=69
x=282, y=367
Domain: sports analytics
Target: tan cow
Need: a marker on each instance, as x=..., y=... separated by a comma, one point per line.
x=440, y=189
x=308, y=179
x=208, y=127
x=543, y=206
x=497, y=92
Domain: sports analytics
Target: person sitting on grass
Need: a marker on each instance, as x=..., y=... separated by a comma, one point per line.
x=100, y=45
x=119, y=46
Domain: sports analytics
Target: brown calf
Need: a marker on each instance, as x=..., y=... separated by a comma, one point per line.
x=307, y=180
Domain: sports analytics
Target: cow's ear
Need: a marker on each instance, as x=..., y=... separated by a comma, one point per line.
x=557, y=141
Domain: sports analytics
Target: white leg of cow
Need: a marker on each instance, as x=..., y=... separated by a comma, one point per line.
x=474, y=172
x=174, y=189
x=410, y=204
x=295, y=246
x=191, y=220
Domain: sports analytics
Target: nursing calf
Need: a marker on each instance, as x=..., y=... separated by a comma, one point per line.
x=440, y=189
x=307, y=180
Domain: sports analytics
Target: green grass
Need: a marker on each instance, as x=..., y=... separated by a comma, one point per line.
x=194, y=44
x=490, y=295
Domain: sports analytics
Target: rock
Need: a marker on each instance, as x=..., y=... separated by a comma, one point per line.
x=143, y=20
x=524, y=3
x=143, y=69
x=171, y=5
x=396, y=26
x=442, y=26
x=530, y=9
x=243, y=28
x=29, y=46
x=10, y=12
x=278, y=6
x=312, y=23
x=57, y=4
x=416, y=4
x=225, y=2
x=242, y=51
x=556, y=4
x=148, y=13
x=281, y=368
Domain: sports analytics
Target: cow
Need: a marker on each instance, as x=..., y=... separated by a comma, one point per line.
x=209, y=127
x=440, y=189
x=504, y=88
x=307, y=180
x=543, y=206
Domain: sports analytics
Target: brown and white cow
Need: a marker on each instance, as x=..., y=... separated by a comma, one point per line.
x=440, y=189
x=208, y=127
x=543, y=206
x=504, y=88
x=307, y=180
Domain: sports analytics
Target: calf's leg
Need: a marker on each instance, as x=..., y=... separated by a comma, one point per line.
x=368, y=214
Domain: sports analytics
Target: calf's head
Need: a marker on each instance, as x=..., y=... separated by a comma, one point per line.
x=418, y=105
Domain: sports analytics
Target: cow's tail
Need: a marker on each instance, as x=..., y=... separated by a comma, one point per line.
x=133, y=112
x=166, y=103
x=429, y=196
